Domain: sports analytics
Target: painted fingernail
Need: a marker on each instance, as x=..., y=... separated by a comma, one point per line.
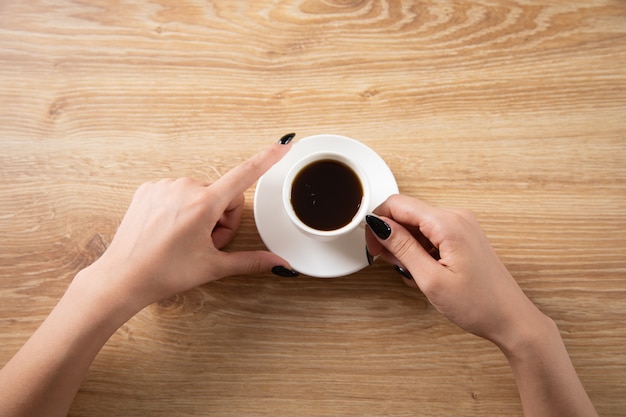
x=370, y=258
x=286, y=139
x=406, y=274
x=281, y=271
x=379, y=227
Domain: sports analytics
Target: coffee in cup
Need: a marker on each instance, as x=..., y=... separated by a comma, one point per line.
x=326, y=195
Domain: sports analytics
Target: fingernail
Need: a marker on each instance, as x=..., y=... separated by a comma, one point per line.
x=406, y=274
x=370, y=258
x=379, y=227
x=286, y=139
x=281, y=271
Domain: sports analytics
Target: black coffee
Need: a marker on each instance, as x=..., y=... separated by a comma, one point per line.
x=326, y=194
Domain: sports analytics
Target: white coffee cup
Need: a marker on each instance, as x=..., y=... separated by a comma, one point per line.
x=304, y=163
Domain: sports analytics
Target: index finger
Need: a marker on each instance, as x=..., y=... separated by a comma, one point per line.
x=410, y=211
x=239, y=179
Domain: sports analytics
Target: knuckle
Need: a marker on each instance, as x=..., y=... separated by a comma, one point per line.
x=457, y=225
x=390, y=203
x=467, y=215
x=394, y=198
x=431, y=286
x=183, y=182
x=143, y=187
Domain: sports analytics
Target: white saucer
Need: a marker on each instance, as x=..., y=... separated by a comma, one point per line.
x=307, y=255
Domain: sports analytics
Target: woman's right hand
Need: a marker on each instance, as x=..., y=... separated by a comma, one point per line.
x=465, y=280
x=460, y=274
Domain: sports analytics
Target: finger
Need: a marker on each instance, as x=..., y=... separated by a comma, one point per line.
x=407, y=277
x=228, y=224
x=374, y=248
x=239, y=179
x=402, y=245
x=251, y=262
x=413, y=212
x=403, y=271
x=389, y=257
x=423, y=241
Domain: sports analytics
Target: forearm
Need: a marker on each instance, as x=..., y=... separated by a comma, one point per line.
x=44, y=376
x=546, y=379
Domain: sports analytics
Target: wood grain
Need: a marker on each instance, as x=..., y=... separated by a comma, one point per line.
x=513, y=109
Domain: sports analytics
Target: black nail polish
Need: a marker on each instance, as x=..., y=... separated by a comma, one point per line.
x=406, y=274
x=281, y=271
x=379, y=227
x=370, y=258
x=286, y=139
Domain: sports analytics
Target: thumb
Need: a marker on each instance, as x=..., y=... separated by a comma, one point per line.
x=254, y=262
x=402, y=245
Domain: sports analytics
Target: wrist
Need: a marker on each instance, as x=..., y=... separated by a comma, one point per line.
x=93, y=289
x=530, y=338
x=544, y=374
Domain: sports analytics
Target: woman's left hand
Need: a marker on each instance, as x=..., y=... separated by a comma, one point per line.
x=171, y=237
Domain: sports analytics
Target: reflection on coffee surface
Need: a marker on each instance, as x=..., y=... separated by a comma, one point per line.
x=326, y=194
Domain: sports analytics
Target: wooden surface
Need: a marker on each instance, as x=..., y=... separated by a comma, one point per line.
x=513, y=109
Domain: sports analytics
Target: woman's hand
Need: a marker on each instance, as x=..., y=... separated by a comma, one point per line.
x=171, y=237
x=447, y=255
x=460, y=273
x=169, y=241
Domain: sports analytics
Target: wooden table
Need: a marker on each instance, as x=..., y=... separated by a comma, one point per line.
x=513, y=109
